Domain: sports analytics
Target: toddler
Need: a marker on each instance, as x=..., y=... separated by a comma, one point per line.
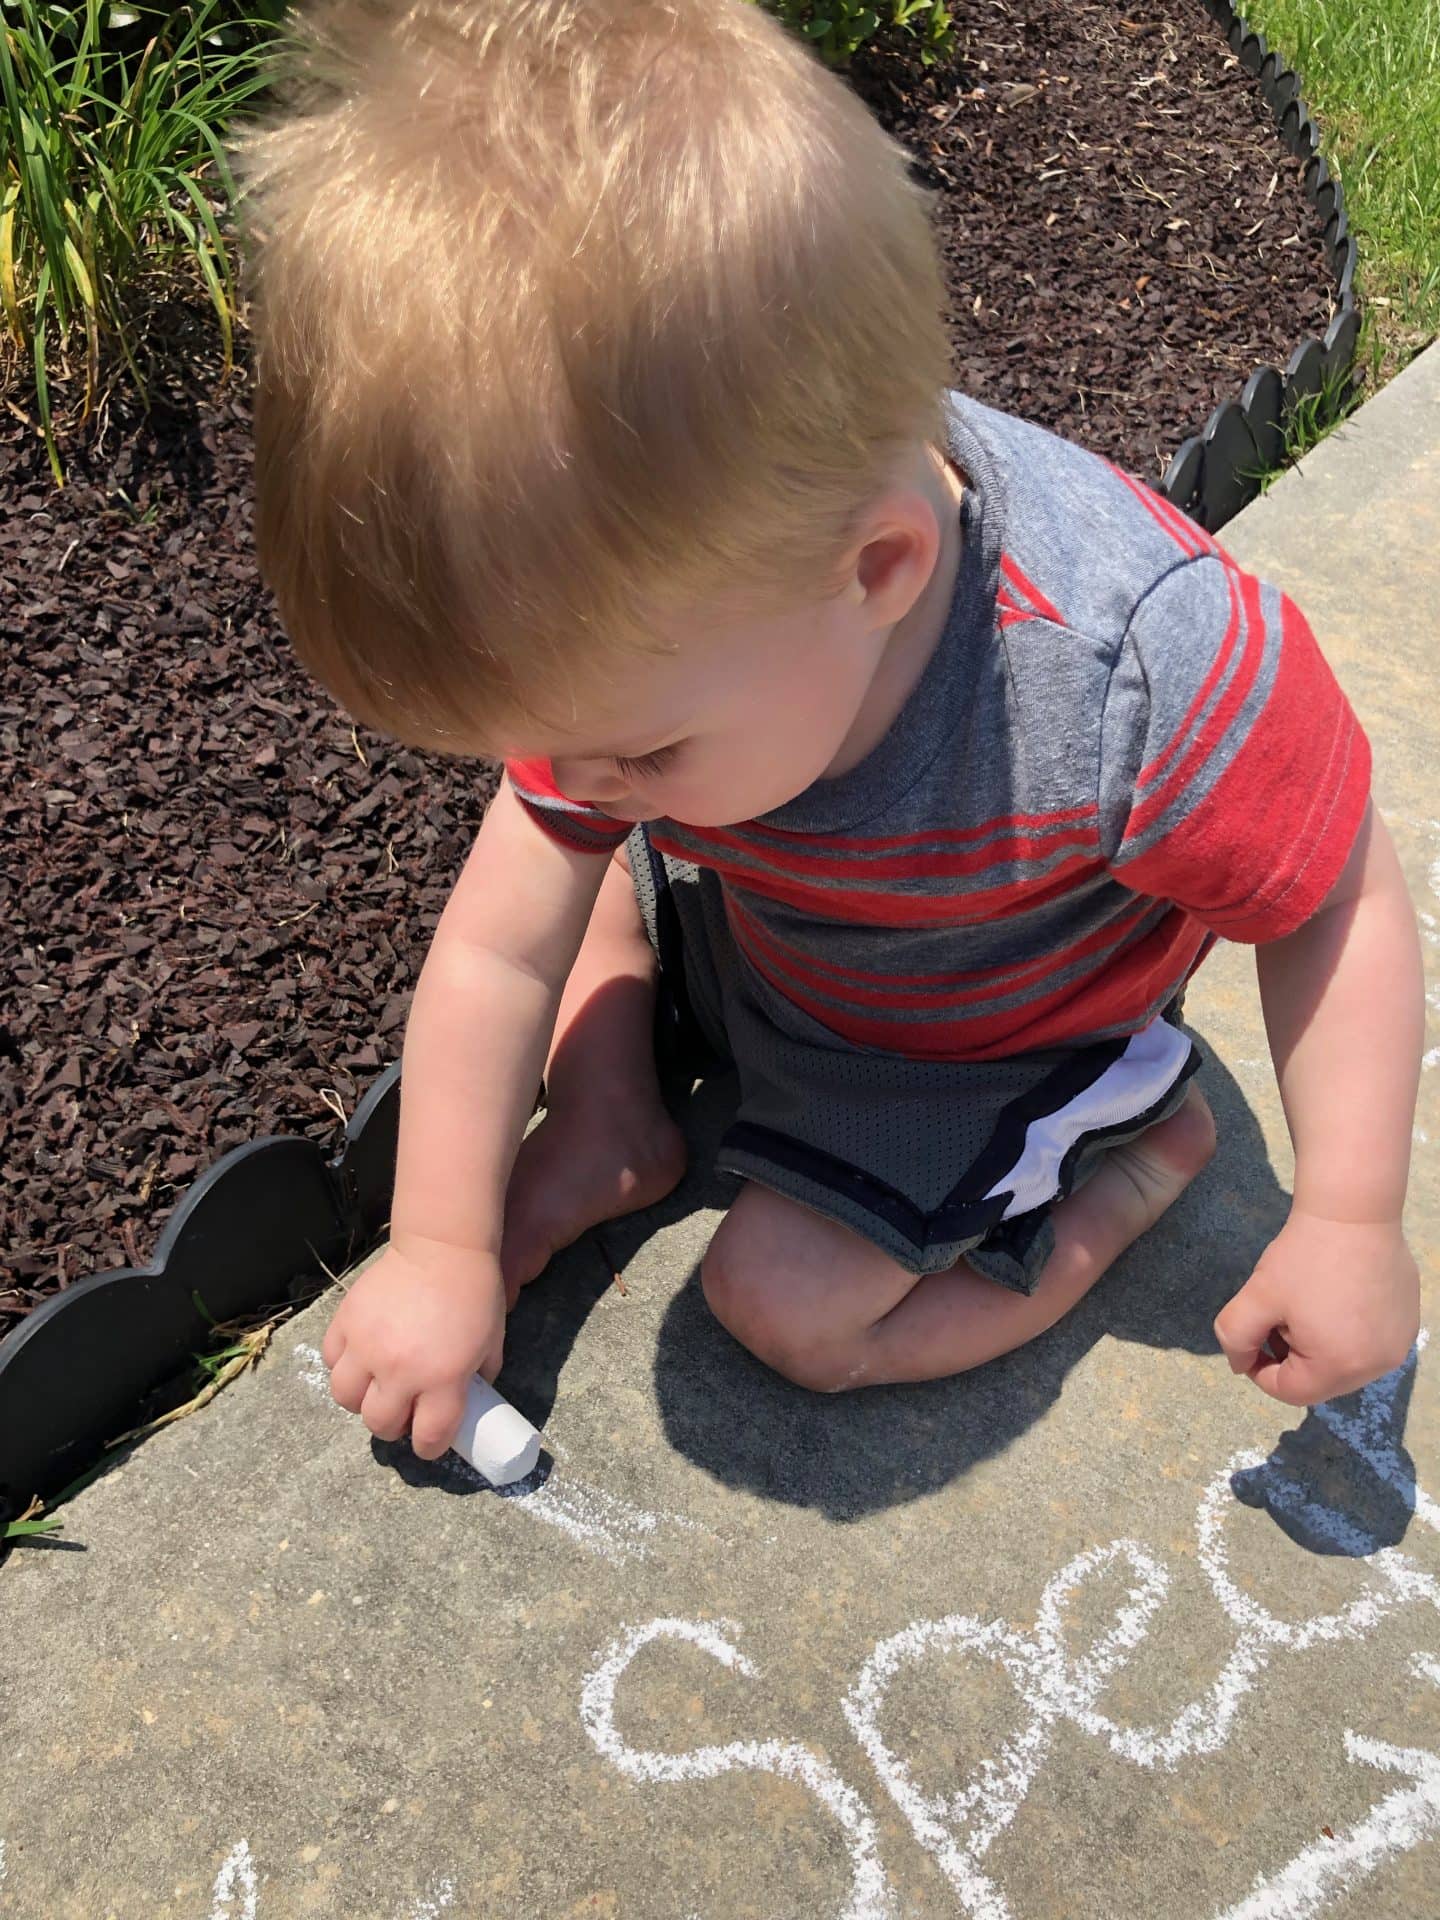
x=915, y=757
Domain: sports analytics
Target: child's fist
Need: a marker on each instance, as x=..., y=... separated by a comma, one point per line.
x=409, y=1334
x=1332, y=1305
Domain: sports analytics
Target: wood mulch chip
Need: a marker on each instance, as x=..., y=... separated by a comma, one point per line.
x=216, y=895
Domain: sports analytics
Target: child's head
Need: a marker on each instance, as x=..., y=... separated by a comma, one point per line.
x=588, y=331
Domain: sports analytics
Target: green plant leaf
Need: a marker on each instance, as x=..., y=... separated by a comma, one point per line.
x=9, y=298
x=39, y=351
x=114, y=171
x=78, y=273
x=27, y=1529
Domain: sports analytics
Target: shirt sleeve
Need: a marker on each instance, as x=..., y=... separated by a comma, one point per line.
x=582, y=828
x=1234, y=776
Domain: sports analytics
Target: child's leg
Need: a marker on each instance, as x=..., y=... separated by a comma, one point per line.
x=606, y=1145
x=828, y=1310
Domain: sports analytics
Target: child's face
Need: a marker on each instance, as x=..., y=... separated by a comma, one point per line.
x=741, y=711
x=742, y=715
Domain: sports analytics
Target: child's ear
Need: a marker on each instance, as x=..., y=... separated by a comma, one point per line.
x=893, y=567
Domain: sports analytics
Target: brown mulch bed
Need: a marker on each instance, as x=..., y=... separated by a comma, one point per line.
x=216, y=896
x=1124, y=236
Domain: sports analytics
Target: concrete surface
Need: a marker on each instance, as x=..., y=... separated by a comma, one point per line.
x=1096, y=1632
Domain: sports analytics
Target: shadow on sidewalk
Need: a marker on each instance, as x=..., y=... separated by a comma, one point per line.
x=855, y=1454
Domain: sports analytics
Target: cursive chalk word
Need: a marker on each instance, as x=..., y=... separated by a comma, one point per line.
x=1056, y=1686
x=869, y=1892
x=1059, y=1685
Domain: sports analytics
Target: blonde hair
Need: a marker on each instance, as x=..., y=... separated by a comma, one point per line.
x=568, y=313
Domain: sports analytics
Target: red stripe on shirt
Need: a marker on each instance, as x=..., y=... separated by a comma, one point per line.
x=537, y=777
x=819, y=859
x=833, y=971
x=1230, y=704
x=1121, y=992
x=1218, y=667
x=946, y=989
x=751, y=832
x=582, y=828
x=1191, y=539
x=885, y=909
x=1305, y=814
x=1028, y=591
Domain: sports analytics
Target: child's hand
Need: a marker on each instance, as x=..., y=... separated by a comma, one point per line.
x=408, y=1336
x=1338, y=1301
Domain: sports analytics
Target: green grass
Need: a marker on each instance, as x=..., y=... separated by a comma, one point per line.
x=1370, y=73
x=1310, y=419
x=1370, y=70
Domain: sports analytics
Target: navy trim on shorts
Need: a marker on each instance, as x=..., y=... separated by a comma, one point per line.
x=968, y=1220
x=964, y=1214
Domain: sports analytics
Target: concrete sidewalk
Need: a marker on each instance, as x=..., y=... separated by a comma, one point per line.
x=1098, y=1632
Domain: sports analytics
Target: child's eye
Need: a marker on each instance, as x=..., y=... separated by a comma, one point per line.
x=644, y=766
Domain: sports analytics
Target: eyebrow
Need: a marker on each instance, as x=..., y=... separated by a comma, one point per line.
x=631, y=753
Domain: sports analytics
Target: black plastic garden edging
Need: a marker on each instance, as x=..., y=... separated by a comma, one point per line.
x=1219, y=470
x=259, y=1228
x=265, y=1223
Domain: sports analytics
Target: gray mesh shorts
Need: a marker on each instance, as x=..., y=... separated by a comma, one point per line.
x=931, y=1161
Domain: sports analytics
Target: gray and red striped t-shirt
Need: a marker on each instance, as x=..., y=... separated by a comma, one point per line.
x=1122, y=747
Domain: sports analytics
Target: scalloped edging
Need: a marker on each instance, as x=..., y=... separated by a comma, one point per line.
x=1221, y=469
x=270, y=1216
x=258, y=1228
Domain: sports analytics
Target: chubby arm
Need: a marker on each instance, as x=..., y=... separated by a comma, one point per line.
x=431, y=1312
x=1344, y=1001
x=482, y=1018
x=1334, y=1301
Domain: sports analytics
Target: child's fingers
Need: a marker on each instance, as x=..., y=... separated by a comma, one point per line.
x=437, y=1415
x=1295, y=1381
x=494, y=1358
x=1243, y=1327
x=386, y=1410
x=333, y=1345
x=349, y=1382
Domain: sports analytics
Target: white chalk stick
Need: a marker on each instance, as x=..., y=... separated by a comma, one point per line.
x=495, y=1437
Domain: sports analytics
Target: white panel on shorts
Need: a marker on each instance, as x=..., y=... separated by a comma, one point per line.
x=1150, y=1065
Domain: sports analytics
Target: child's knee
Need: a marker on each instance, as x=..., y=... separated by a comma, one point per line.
x=745, y=1290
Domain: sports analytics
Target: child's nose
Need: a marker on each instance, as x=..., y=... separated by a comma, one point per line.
x=593, y=782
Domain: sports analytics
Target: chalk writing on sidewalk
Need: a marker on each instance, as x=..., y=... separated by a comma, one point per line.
x=605, y=1524
x=1057, y=1686
x=869, y=1895
x=237, y=1881
x=236, y=1893
x=1398, y=1822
